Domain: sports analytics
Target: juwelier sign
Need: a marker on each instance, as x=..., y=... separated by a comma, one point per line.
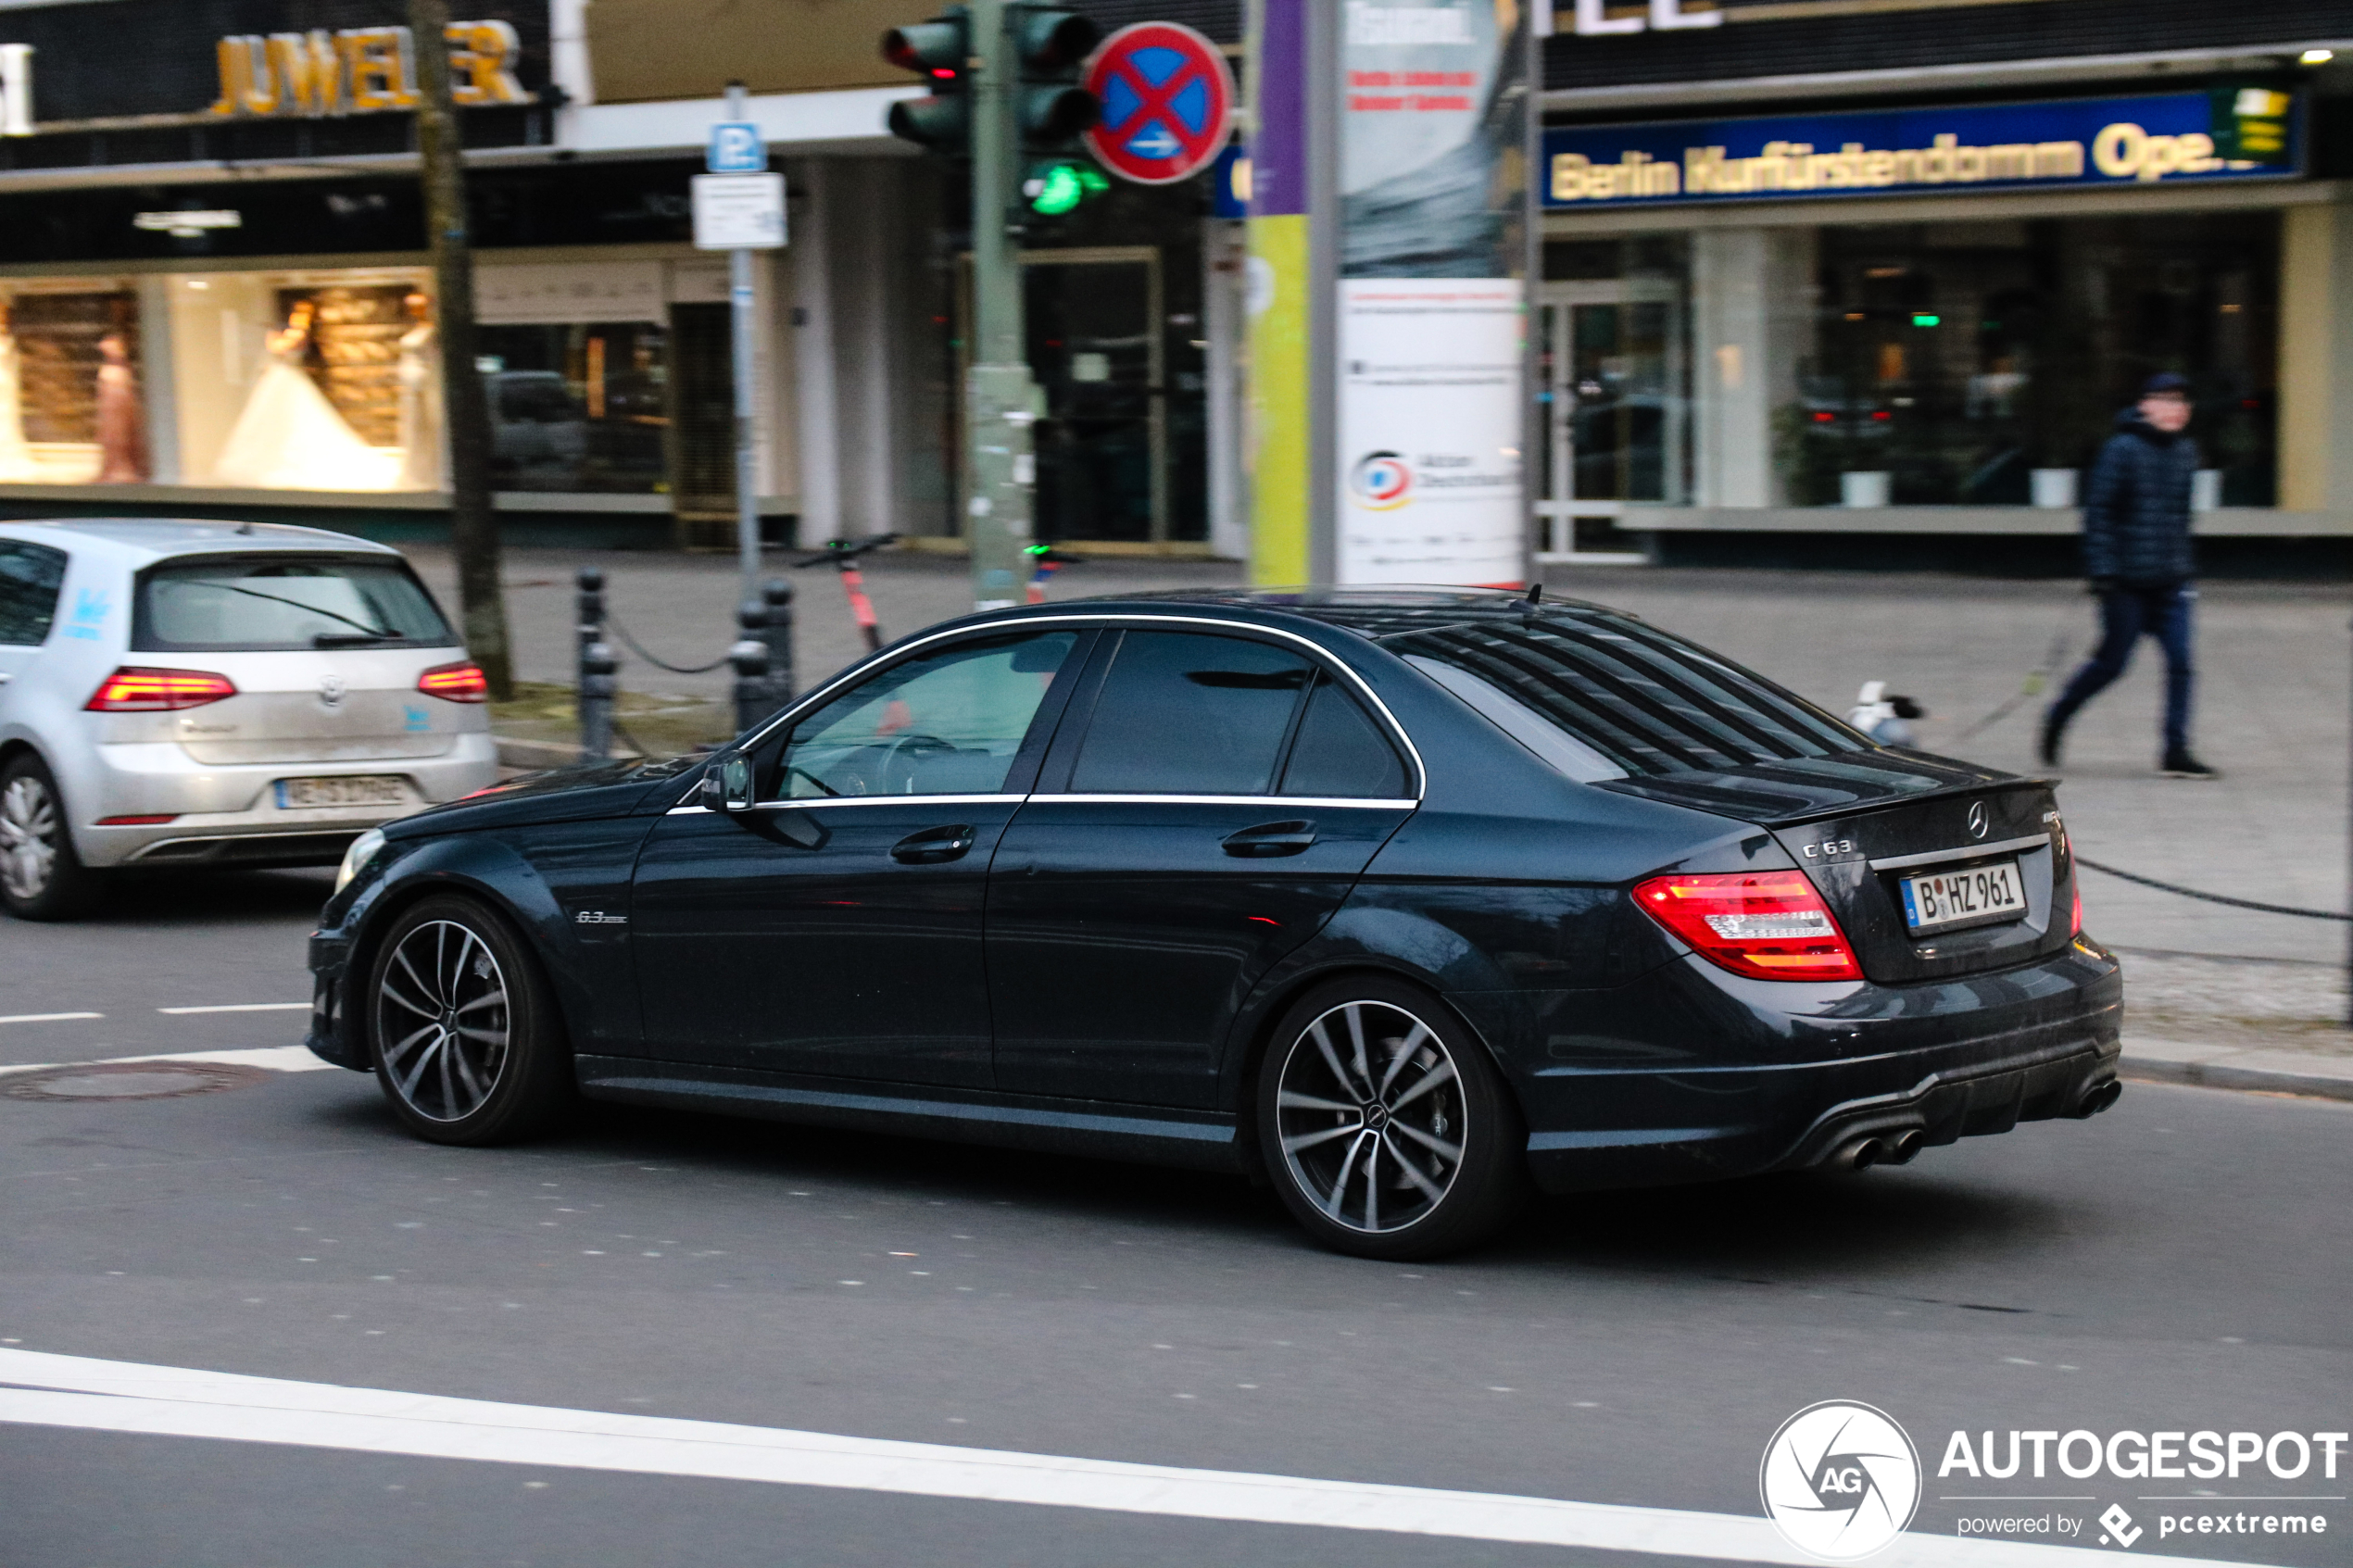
x=2229, y=133
x=360, y=70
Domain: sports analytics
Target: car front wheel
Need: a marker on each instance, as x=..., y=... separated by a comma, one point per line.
x=1386, y=1130
x=461, y=1031
x=41, y=877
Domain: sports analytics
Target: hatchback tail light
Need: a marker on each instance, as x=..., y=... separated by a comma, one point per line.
x=130, y=690
x=2075, y=921
x=1769, y=925
x=461, y=681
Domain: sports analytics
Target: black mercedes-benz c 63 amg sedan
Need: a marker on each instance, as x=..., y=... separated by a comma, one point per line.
x=1400, y=900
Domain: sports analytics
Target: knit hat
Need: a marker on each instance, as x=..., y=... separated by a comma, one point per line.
x=2166, y=383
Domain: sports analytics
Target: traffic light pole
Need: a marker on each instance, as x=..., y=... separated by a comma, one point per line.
x=1002, y=403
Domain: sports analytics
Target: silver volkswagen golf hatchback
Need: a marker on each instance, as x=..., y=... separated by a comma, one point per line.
x=207, y=693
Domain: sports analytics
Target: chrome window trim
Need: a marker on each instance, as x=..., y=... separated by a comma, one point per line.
x=1320, y=802
x=1324, y=658
x=827, y=802
x=1975, y=851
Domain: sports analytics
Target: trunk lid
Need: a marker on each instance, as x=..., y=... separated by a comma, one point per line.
x=339, y=706
x=1859, y=822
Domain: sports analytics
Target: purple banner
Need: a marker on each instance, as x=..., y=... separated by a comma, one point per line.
x=1278, y=141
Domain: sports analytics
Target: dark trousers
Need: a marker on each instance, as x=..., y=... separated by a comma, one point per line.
x=2127, y=615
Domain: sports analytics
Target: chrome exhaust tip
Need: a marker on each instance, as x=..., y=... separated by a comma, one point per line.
x=1861, y=1154
x=1906, y=1147
x=2097, y=1099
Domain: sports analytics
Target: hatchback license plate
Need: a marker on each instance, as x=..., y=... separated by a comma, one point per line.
x=1979, y=896
x=351, y=789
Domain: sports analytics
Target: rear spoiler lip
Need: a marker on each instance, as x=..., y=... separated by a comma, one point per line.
x=1864, y=808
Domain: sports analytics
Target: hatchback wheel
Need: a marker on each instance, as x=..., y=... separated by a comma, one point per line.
x=1387, y=1131
x=463, y=1033
x=41, y=877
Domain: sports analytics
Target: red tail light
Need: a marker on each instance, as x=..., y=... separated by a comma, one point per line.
x=130, y=690
x=1769, y=925
x=461, y=681
x=2075, y=921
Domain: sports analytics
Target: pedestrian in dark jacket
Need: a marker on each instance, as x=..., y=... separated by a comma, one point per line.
x=2138, y=557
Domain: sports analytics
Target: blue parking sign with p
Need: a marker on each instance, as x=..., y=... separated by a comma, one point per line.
x=737, y=149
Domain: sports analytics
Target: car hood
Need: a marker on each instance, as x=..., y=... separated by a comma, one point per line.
x=573, y=793
x=1802, y=789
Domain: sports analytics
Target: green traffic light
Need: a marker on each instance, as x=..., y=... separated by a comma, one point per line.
x=1058, y=191
x=1922, y=319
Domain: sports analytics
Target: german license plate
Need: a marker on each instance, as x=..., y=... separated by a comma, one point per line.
x=351, y=789
x=1979, y=896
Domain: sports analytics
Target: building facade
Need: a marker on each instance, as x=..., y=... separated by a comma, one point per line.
x=1892, y=267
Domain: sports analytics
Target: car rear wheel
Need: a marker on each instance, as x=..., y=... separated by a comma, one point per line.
x=1386, y=1130
x=461, y=1031
x=41, y=877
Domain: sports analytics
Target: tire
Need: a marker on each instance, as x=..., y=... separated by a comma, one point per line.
x=462, y=1032
x=1385, y=1128
x=41, y=877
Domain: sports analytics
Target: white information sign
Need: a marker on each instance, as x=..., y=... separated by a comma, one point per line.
x=1430, y=480
x=739, y=211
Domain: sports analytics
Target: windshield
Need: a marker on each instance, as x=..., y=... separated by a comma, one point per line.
x=1601, y=696
x=254, y=604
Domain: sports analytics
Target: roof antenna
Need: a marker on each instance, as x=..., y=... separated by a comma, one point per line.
x=1535, y=594
x=245, y=527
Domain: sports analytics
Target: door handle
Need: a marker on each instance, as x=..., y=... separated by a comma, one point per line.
x=1269, y=839
x=933, y=846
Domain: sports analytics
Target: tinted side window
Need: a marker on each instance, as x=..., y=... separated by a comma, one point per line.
x=1183, y=714
x=948, y=723
x=30, y=578
x=1340, y=752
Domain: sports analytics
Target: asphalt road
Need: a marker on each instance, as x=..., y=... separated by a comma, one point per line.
x=2181, y=1263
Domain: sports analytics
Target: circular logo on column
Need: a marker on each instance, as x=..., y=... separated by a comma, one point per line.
x=1167, y=103
x=1383, y=481
x=1840, y=1480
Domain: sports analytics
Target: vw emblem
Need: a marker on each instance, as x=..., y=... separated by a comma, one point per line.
x=331, y=688
x=1978, y=820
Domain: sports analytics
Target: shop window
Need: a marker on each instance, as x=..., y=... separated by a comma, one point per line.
x=578, y=406
x=71, y=407
x=1982, y=364
x=335, y=382
x=1612, y=386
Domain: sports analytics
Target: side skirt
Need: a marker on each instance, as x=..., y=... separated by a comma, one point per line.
x=1199, y=1141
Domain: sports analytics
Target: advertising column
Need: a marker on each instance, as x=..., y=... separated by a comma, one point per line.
x=1431, y=306
x=1279, y=291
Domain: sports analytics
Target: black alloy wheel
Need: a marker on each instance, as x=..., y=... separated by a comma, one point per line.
x=1385, y=1128
x=461, y=1031
x=41, y=877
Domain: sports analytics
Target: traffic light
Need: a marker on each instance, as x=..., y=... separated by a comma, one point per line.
x=1058, y=185
x=1051, y=43
x=939, y=51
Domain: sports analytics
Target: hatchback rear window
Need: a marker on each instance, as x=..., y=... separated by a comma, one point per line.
x=1625, y=696
x=257, y=604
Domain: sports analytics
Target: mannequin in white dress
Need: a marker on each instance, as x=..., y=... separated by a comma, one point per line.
x=290, y=437
x=420, y=370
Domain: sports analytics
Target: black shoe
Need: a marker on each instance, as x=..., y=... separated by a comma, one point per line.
x=2182, y=765
x=2047, y=747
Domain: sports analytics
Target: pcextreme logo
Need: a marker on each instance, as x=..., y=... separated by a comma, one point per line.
x=1840, y=1480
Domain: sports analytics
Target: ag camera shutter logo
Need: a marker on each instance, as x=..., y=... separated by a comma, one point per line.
x=1840, y=1480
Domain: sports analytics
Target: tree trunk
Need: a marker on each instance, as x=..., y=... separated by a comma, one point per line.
x=474, y=531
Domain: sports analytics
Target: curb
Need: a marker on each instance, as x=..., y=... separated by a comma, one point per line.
x=2325, y=1078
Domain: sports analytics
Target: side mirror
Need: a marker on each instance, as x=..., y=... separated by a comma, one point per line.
x=727, y=787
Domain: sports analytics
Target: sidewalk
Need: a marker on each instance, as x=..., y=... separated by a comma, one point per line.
x=2219, y=995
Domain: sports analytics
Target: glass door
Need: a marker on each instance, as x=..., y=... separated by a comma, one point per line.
x=1609, y=383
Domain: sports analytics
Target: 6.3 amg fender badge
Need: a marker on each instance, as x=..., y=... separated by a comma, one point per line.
x=599, y=917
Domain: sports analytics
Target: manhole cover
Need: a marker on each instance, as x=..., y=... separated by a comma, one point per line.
x=131, y=1080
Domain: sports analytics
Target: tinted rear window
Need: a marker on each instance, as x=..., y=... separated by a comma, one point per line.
x=1647, y=702
x=30, y=577
x=254, y=604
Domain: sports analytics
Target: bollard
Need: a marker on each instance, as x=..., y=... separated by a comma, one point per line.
x=749, y=655
x=598, y=685
x=778, y=633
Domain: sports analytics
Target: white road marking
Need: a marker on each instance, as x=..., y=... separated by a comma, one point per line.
x=278, y=1058
x=49, y=1017
x=241, y=1007
x=72, y=1391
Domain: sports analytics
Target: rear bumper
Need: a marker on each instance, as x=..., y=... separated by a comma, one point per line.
x=1689, y=1075
x=230, y=814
